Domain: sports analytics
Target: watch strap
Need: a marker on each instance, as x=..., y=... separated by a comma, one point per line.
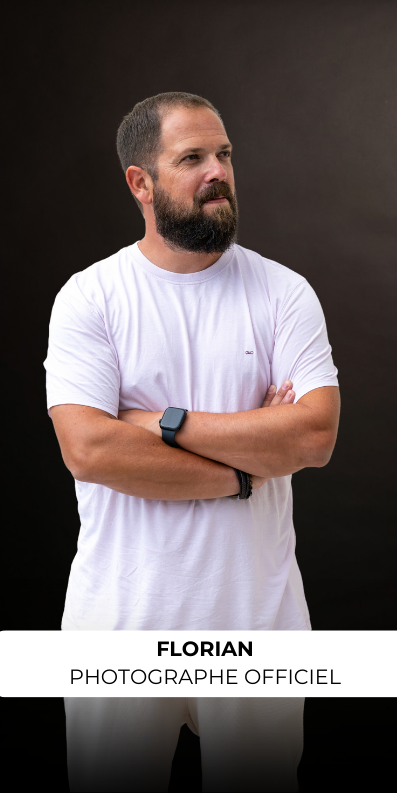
x=169, y=437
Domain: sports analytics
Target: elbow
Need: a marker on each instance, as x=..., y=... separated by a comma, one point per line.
x=321, y=450
x=321, y=460
x=79, y=466
x=80, y=474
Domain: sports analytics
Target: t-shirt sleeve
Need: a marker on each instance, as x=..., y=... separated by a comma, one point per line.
x=81, y=364
x=302, y=352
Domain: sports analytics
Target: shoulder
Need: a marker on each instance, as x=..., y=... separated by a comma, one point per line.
x=278, y=280
x=94, y=285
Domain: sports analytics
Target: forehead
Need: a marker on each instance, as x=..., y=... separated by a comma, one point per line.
x=185, y=126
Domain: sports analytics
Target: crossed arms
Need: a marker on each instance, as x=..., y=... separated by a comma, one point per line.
x=128, y=455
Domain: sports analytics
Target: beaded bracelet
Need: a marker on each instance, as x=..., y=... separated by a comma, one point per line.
x=245, y=482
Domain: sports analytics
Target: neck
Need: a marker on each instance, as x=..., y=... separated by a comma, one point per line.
x=154, y=247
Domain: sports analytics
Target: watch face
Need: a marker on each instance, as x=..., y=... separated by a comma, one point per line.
x=173, y=418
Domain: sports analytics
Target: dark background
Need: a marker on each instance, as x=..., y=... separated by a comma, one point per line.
x=307, y=91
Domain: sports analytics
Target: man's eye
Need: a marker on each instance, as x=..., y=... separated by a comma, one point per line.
x=190, y=157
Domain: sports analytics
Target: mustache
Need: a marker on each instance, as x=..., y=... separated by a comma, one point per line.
x=216, y=190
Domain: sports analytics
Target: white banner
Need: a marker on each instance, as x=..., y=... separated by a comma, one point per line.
x=198, y=663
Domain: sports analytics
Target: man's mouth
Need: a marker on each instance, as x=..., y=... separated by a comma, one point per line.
x=220, y=200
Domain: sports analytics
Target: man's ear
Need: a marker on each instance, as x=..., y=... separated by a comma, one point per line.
x=140, y=184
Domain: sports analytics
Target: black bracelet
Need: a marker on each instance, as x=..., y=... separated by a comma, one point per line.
x=240, y=477
x=245, y=482
x=243, y=494
x=249, y=486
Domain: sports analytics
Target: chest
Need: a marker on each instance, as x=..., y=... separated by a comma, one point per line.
x=205, y=347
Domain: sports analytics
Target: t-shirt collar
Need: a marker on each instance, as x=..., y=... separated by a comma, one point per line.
x=180, y=278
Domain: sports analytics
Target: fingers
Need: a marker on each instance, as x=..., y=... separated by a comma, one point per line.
x=269, y=396
x=284, y=395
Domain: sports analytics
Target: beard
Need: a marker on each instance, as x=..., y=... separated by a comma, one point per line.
x=194, y=230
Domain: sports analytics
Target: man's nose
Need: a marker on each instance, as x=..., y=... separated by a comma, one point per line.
x=216, y=172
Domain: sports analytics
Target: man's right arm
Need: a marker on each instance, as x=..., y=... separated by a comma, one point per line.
x=98, y=448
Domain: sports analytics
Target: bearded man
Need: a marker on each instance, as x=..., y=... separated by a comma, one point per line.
x=188, y=378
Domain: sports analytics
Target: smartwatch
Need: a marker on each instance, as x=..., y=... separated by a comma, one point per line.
x=170, y=422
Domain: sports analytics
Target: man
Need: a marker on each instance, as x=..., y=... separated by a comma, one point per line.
x=187, y=319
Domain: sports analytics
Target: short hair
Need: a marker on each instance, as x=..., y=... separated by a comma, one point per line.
x=139, y=134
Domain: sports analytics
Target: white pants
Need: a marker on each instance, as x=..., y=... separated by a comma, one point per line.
x=128, y=744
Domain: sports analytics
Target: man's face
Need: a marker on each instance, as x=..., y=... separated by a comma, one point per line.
x=194, y=200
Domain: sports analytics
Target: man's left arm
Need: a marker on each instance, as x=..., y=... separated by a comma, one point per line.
x=272, y=442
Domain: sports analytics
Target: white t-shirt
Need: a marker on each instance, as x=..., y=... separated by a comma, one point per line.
x=125, y=333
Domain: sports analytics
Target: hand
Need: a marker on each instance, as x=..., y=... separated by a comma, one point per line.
x=284, y=396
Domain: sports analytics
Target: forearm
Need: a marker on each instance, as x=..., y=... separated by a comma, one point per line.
x=268, y=442
x=133, y=461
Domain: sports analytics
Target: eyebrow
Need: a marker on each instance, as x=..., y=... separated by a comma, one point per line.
x=200, y=149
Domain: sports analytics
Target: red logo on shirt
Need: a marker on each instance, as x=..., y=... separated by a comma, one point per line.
x=249, y=352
